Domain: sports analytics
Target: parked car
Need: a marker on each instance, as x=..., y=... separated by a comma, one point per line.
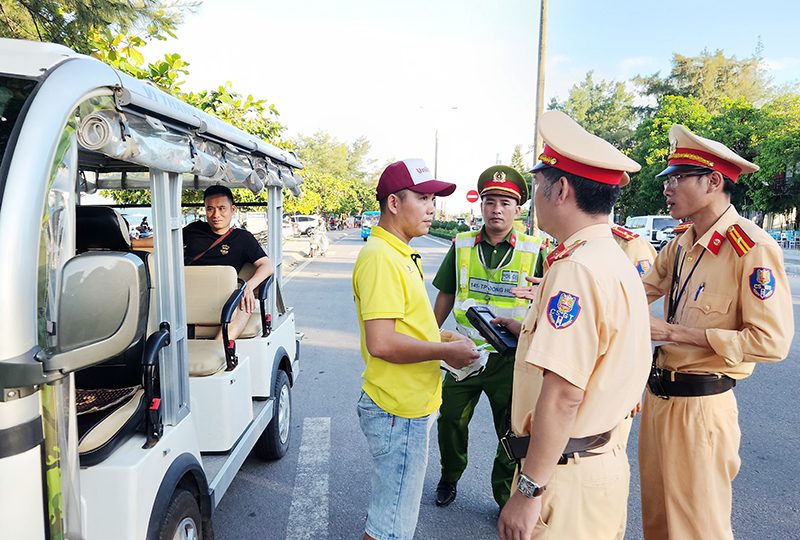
x=305, y=224
x=669, y=235
x=652, y=228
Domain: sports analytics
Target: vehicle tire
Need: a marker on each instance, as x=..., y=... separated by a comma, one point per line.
x=182, y=519
x=274, y=442
x=663, y=244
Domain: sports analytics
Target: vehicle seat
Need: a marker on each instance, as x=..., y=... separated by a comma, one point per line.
x=110, y=396
x=209, y=290
x=254, y=325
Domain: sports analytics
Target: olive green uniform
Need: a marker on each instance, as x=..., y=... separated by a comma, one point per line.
x=460, y=398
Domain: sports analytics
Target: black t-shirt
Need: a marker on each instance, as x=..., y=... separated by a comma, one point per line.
x=238, y=248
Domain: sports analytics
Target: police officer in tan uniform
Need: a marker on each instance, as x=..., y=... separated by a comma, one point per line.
x=638, y=250
x=728, y=306
x=583, y=353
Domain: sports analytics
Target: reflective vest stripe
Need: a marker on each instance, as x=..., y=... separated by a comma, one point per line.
x=502, y=304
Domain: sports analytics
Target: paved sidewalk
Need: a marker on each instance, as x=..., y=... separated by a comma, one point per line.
x=791, y=259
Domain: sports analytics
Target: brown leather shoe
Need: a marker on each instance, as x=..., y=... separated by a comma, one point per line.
x=445, y=493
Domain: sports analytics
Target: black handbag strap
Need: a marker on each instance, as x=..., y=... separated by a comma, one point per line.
x=217, y=241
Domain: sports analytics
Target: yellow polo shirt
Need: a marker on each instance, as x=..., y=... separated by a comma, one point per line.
x=388, y=284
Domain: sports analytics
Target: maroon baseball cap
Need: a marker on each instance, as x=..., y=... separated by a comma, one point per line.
x=411, y=174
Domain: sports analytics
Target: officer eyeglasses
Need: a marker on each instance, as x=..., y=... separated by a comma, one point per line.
x=672, y=179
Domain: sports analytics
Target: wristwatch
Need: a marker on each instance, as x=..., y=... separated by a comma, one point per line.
x=528, y=487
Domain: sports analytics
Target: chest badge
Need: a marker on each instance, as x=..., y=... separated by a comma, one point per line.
x=563, y=310
x=224, y=249
x=762, y=283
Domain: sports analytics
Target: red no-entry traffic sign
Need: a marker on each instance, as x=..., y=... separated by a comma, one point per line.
x=472, y=195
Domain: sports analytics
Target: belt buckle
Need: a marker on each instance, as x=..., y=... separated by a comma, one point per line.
x=654, y=383
x=507, y=447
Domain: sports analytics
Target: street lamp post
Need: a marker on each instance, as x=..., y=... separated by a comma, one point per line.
x=436, y=148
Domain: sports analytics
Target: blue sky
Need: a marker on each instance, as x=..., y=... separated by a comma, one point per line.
x=393, y=71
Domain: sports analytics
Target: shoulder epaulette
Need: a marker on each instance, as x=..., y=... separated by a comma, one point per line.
x=624, y=233
x=558, y=255
x=739, y=240
x=683, y=227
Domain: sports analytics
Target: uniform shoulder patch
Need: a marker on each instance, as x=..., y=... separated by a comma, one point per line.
x=563, y=310
x=683, y=227
x=624, y=233
x=643, y=266
x=762, y=283
x=739, y=240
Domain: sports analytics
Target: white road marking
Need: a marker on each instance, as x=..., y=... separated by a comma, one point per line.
x=308, y=515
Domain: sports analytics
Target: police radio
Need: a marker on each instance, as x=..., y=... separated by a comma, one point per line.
x=497, y=335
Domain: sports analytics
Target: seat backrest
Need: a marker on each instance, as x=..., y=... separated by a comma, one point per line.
x=207, y=290
x=100, y=228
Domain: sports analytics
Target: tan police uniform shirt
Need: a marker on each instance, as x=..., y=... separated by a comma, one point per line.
x=744, y=302
x=589, y=324
x=638, y=250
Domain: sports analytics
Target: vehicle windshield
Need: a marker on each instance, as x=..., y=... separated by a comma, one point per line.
x=659, y=224
x=370, y=219
x=14, y=93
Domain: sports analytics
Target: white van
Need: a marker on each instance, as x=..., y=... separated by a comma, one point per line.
x=653, y=228
x=119, y=418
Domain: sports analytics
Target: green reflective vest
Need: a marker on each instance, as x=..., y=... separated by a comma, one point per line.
x=477, y=285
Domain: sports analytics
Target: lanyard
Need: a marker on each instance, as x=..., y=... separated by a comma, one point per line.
x=503, y=262
x=673, y=301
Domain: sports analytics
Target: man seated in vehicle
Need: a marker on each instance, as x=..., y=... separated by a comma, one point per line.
x=215, y=243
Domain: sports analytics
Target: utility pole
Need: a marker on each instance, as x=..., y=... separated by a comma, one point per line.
x=537, y=145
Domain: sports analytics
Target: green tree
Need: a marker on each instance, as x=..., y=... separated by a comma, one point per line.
x=776, y=186
x=711, y=78
x=644, y=194
x=518, y=164
x=339, y=177
x=73, y=22
x=736, y=125
x=604, y=109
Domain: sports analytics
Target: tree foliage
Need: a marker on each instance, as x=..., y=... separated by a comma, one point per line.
x=711, y=78
x=338, y=176
x=75, y=23
x=643, y=195
x=604, y=109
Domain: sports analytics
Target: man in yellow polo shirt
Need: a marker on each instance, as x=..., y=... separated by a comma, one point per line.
x=401, y=347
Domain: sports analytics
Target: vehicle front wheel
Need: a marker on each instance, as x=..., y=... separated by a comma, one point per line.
x=182, y=520
x=274, y=442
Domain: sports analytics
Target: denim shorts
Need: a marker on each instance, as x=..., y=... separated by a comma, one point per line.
x=399, y=448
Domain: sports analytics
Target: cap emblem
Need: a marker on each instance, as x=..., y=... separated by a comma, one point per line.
x=547, y=159
x=673, y=145
x=499, y=177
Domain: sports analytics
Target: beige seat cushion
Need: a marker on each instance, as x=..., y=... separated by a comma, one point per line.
x=206, y=357
x=111, y=424
x=207, y=290
x=253, y=328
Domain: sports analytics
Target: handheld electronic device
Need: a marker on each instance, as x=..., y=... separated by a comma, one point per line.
x=497, y=335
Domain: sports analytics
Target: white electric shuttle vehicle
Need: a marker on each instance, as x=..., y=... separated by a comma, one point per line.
x=120, y=417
